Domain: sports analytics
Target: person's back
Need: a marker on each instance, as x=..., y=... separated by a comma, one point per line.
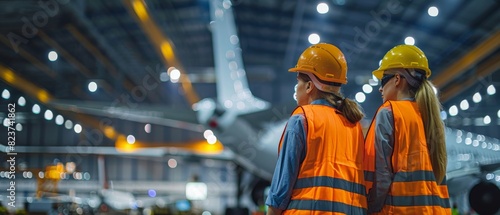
x=319, y=168
x=332, y=169
x=405, y=150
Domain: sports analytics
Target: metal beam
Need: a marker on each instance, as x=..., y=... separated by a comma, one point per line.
x=484, y=69
x=462, y=64
x=26, y=55
x=162, y=44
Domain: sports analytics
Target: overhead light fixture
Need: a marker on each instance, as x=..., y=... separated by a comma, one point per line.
x=487, y=120
x=5, y=94
x=476, y=98
x=464, y=105
x=77, y=128
x=36, y=109
x=92, y=86
x=130, y=139
x=21, y=101
x=433, y=11
x=453, y=110
x=48, y=115
x=491, y=90
x=322, y=8
x=52, y=56
x=367, y=88
x=68, y=124
x=59, y=120
x=360, y=97
x=409, y=41
x=314, y=38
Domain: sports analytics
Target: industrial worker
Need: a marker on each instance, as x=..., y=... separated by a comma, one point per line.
x=320, y=163
x=405, y=149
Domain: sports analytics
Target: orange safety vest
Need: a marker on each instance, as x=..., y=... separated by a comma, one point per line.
x=330, y=179
x=414, y=189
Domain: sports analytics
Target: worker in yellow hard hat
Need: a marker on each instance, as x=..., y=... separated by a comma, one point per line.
x=319, y=168
x=405, y=149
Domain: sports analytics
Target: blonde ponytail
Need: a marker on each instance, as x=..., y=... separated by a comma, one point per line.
x=430, y=108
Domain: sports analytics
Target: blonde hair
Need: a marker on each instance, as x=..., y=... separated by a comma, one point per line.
x=430, y=109
x=349, y=108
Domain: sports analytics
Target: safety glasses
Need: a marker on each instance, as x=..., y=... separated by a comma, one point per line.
x=385, y=79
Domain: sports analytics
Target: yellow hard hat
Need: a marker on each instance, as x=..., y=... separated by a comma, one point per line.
x=403, y=56
x=325, y=61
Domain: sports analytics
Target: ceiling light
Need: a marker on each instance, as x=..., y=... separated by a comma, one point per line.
x=314, y=38
x=19, y=127
x=175, y=74
x=433, y=11
x=367, y=88
x=130, y=139
x=59, y=120
x=498, y=114
x=322, y=8
x=453, y=110
x=147, y=128
x=487, y=120
x=68, y=124
x=444, y=115
x=476, y=98
x=53, y=56
x=77, y=128
x=360, y=97
x=409, y=41
x=464, y=105
x=491, y=90
x=172, y=163
x=48, y=115
x=92, y=86
x=207, y=133
x=21, y=101
x=163, y=77
x=6, y=122
x=36, y=109
x=5, y=94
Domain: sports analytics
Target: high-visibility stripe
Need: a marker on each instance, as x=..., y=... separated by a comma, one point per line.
x=330, y=194
x=326, y=181
x=417, y=188
x=418, y=201
x=321, y=205
x=419, y=175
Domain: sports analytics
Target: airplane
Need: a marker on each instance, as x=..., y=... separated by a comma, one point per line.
x=251, y=128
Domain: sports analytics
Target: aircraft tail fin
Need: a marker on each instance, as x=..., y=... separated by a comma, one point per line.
x=232, y=85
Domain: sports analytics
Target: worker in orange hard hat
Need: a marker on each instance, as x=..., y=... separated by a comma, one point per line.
x=319, y=168
x=405, y=149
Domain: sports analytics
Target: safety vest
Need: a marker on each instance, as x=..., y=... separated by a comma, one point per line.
x=414, y=189
x=330, y=178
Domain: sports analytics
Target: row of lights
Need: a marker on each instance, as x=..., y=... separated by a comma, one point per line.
x=476, y=98
x=41, y=174
x=323, y=8
x=36, y=109
x=480, y=140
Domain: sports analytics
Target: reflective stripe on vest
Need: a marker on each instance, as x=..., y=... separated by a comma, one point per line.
x=331, y=176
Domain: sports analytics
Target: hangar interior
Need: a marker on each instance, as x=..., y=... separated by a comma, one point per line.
x=102, y=95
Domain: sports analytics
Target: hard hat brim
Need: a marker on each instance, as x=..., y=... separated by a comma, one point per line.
x=378, y=74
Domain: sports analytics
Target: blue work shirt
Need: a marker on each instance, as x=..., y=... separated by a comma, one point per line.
x=292, y=153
